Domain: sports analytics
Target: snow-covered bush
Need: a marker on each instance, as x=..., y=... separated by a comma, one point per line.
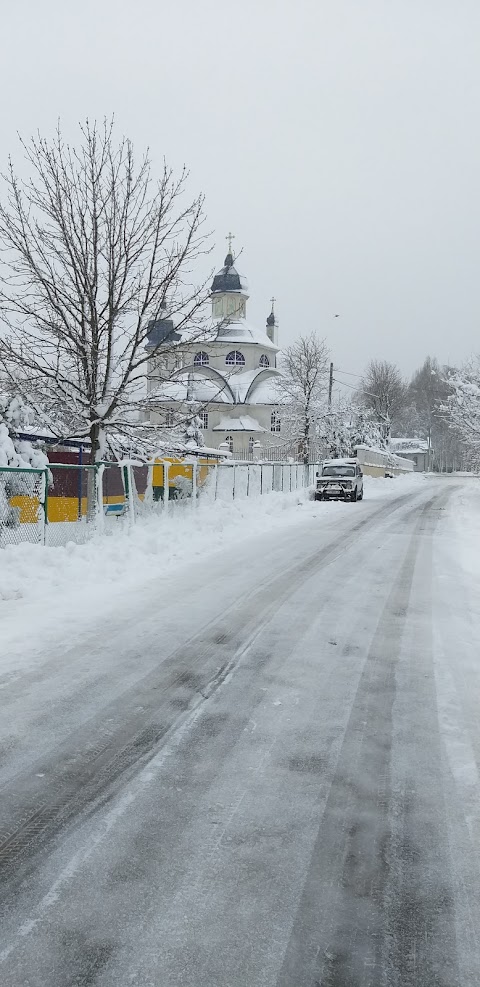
x=15, y=415
x=193, y=435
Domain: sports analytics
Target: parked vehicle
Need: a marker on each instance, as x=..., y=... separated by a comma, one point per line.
x=340, y=479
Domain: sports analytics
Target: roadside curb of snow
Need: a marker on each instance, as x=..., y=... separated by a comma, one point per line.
x=51, y=595
x=65, y=576
x=36, y=572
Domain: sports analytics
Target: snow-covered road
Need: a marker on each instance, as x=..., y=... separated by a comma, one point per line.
x=263, y=770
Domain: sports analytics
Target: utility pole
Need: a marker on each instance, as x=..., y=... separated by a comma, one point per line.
x=330, y=386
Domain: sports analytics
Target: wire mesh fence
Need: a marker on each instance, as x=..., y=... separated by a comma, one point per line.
x=71, y=503
x=22, y=505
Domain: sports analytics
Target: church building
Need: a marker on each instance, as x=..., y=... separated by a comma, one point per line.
x=232, y=379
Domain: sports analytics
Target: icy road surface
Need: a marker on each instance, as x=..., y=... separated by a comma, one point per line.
x=264, y=772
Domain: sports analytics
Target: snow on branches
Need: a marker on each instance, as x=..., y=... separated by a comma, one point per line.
x=302, y=390
x=18, y=453
x=93, y=246
x=16, y=416
x=462, y=407
x=344, y=426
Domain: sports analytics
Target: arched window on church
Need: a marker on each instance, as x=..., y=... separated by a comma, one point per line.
x=235, y=359
x=251, y=443
x=201, y=359
x=264, y=361
x=229, y=441
x=275, y=421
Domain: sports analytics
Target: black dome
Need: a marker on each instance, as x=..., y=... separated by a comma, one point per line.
x=160, y=331
x=271, y=319
x=228, y=279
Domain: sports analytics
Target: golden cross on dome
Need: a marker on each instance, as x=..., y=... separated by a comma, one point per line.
x=273, y=300
x=230, y=237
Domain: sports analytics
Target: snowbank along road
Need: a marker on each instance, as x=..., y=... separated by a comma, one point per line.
x=264, y=773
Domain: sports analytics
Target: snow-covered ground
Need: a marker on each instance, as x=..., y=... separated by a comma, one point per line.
x=47, y=592
x=256, y=759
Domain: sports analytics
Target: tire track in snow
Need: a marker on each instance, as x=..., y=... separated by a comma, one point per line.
x=344, y=933
x=36, y=805
x=214, y=739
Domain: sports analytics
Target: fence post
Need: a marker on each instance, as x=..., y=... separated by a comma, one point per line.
x=216, y=481
x=248, y=479
x=79, y=482
x=131, y=488
x=125, y=486
x=127, y=483
x=99, y=471
x=148, y=495
x=261, y=479
x=194, y=484
x=233, y=485
x=44, y=511
x=166, y=491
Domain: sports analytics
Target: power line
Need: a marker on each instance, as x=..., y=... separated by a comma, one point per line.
x=348, y=373
x=353, y=388
x=345, y=384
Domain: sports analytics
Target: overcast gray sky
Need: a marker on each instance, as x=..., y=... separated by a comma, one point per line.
x=338, y=139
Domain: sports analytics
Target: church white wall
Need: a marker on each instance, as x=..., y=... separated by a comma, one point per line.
x=217, y=354
x=217, y=413
x=241, y=439
x=250, y=351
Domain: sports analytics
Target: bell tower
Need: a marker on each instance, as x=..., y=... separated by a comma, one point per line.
x=229, y=290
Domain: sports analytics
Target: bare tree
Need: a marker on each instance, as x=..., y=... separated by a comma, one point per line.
x=302, y=389
x=428, y=391
x=384, y=391
x=92, y=246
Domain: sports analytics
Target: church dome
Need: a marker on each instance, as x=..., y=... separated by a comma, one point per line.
x=161, y=330
x=228, y=278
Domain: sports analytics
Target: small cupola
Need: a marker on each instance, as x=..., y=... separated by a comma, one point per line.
x=161, y=330
x=272, y=324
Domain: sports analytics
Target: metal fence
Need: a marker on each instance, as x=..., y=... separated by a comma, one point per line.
x=23, y=515
x=68, y=503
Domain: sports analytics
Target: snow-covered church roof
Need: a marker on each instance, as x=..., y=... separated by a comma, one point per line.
x=266, y=390
x=205, y=384
x=245, y=423
x=185, y=386
x=241, y=332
